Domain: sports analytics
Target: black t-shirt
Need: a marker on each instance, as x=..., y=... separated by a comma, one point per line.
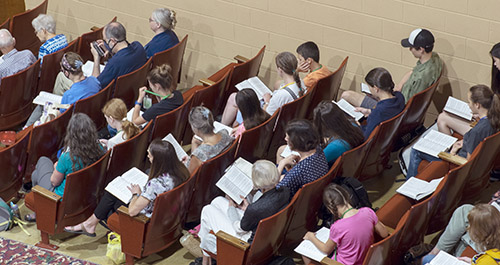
x=164, y=106
x=475, y=135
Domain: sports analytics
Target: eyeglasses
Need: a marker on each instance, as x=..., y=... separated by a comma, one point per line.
x=151, y=20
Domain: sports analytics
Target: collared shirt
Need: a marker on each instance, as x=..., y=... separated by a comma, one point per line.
x=422, y=76
x=52, y=45
x=311, y=79
x=15, y=61
x=384, y=110
x=161, y=42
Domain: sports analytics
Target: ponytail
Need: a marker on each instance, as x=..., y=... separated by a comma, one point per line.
x=334, y=196
x=494, y=113
x=129, y=129
x=296, y=77
x=288, y=63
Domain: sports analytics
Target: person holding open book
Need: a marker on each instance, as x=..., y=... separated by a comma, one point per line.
x=115, y=112
x=205, y=143
x=486, y=106
x=242, y=220
x=390, y=102
x=81, y=149
x=249, y=106
x=166, y=173
x=160, y=83
x=337, y=133
x=351, y=234
x=484, y=231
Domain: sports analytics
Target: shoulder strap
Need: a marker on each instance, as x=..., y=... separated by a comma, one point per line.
x=290, y=92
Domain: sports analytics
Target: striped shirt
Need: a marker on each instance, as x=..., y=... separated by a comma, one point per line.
x=15, y=61
x=52, y=45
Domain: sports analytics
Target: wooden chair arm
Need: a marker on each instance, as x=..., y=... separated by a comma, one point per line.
x=240, y=59
x=329, y=261
x=46, y=205
x=455, y=159
x=94, y=28
x=230, y=250
x=132, y=232
x=206, y=82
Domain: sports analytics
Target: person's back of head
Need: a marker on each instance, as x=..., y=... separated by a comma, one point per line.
x=7, y=42
x=495, y=66
x=287, y=62
x=81, y=140
x=265, y=175
x=419, y=38
x=115, y=30
x=162, y=75
x=249, y=105
x=309, y=50
x=335, y=197
x=484, y=226
x=165, y=161
x=489, y=100
x=72, y=62
x=202, y=120
x=302, y=136
x=44, y=22
x=116, y=109
x=381, y=78
x=165, y=17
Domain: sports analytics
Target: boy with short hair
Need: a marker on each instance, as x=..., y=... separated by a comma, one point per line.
x=308, y=56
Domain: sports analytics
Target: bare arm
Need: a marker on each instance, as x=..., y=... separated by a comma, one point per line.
x=137, y=119
x=194, y=164
x=381, y=230
x=403, y=81
x=57, y=177
x=327, y=247
x=137, y=203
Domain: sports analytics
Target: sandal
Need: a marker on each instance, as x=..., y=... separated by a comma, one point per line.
x=30, y=217
x=82, y=231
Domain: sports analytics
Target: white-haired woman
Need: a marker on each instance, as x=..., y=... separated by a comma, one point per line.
x=45, y=29
x=162, y=23
x=242, y=220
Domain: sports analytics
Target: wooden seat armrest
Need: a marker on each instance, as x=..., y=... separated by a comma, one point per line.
x=139, y=218
x=206, y=82
x=329, y=261
x=230, y=250
x=240, y=59
x=455, y=159
x=94, y=28
x=41, y=191
x=46, y=204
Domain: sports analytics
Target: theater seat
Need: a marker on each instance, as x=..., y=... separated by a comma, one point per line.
x=172, y=57
x=21, y=29
x=127, y=86
x=13, y=164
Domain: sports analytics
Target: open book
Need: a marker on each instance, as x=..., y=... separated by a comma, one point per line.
x=88, y=67
x=417, y=189
x=256, y=84
x=44, y=97
x=237, y=181
x=349, y=109
x=119, y=186
x=308, y=249
x=178, y=148
x=444, y=258
x=434, y=142
x=458, y=107
x=287, y=151
x=365, y=88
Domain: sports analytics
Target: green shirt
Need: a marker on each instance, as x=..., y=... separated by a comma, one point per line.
x=422, y=76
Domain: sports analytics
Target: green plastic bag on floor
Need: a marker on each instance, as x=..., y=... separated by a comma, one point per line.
x=114, y=248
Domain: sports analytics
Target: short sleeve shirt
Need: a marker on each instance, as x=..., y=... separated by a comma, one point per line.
x=422, y=76
x=384, y=110
x=280, y=97
x=52, y=45
x=475, y=135
x=306, y=171
x=65, y=166
x=205, y=152
x=334, y=149
x=15, y=61
x=153, y=188
x=311, y=79
x=353, y=236
x=161, y=42
x=80, y=90
x=164, y=106
x=117, y=139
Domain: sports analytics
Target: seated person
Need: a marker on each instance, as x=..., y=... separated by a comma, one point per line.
x=166, y=173
x=82, y=87
x=390, y=102
x=308, y=55
x=81, y=149
x=249, y=106
x=351, y=233
x=160, y=83
x=480, y=225
x=211, y=144
x=242, y=220
x=45, y=29
x=495, y=68
x=486, y=106
x=291, y=89
x=423, y=75
x=309, y=165
x=126, y=57
x=162, y=23
x=13, y=61
x=115, y=112
x=337, y=132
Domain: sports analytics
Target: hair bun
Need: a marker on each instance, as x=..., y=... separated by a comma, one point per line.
x=164, y=69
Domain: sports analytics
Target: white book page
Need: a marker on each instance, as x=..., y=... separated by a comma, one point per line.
x=219, y=127
x=287, y=151
x=88, y=67
x=47, y=97
x=178, y=148
x=243, y=84
x=365, y=88
x=243, y=165
x=434, y=142
x=308, y=249
x=130, y=113
x=444, y=258
x=259, y=87
x=495, y=204
x=119, y=186
x=235, y=183
x=349, y=109
x=458, y=107
x=417, y=189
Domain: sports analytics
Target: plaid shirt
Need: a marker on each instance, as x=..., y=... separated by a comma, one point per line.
x=52, y=45
x=15, y=61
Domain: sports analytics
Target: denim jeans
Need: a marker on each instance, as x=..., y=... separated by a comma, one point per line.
x=415, y=158
x=427, y=258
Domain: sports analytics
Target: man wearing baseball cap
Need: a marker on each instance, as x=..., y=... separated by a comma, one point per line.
x=423, y=75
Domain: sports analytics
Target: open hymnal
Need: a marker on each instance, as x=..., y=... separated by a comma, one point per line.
x=256, y=84
x=365, y=88
x=237, y=181
x=434, y=142
x=88, y=67
x=178, y=148
x=287, y=151
x=349, y=109
x=458, y=107
x=308, y=249
x=417, y=189
x=444, y=258
x=119, y=186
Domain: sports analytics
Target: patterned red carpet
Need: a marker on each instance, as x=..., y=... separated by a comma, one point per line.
x=14, y=252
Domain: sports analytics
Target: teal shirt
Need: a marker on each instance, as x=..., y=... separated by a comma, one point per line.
x=423, y=76
x=65, y=166
x=334, y=149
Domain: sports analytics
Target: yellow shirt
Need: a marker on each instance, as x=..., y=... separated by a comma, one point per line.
x=312, y=78
x=490, y=257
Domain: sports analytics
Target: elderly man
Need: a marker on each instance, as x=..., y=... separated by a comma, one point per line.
x=12, y=61
x=126, y=57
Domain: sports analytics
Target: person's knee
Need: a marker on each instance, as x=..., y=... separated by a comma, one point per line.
x=442, y=119
x=347, y=95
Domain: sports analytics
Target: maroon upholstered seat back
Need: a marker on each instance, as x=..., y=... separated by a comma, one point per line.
x=172, y=57
x=13, y=164
x=21, y=29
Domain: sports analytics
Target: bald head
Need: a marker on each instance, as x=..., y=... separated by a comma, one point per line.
x=116, y=31
x=6, y=40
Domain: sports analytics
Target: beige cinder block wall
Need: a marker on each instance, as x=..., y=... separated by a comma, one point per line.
x=368, y=31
